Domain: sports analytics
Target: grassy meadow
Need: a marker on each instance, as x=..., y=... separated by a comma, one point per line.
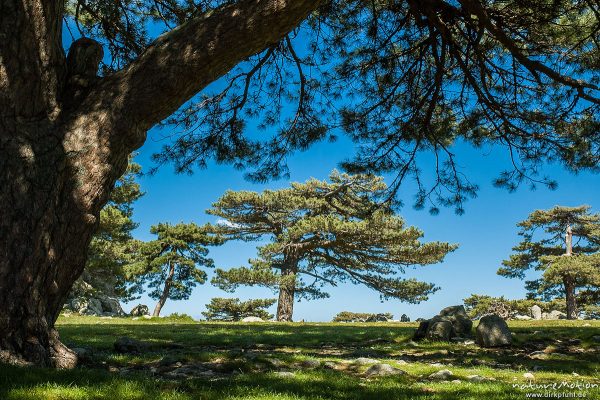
x=309, y=361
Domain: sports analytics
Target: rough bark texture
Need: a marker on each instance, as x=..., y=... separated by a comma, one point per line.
x=165, y=293
x=65, y=136
x=287, y=289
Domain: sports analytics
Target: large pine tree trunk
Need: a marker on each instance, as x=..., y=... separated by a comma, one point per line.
x=569, y=285
x=65, y=136
x=165, y=294
x=287, y=289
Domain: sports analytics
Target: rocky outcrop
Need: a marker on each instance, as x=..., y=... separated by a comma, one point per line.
x=252, y=319
x=139, y=311
x=86, y=299
x=449, y=323
x=493, y=331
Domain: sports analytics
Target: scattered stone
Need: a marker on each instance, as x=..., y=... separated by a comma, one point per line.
x=365, y=361
x=554, y=314
x=441, y=375
x=538, y=355
x=383, y=370
x=536, y=312
x=456, y=381
x=377, y=318
x=493, y=331
x=310, y=364
x=275, y=362
x=528, y=375
x=252, y=319
x=476, y=378
x=520, y=317
x=401, y=362
x=285, y=374
x=329, y=365
x=82, y=353
x=404, y=318
x=139, y=310
x=128, y=345
x=469, y=342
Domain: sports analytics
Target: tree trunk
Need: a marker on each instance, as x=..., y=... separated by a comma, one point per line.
x=65, y=138
x=568, y=281
x=569, y=284
x=287, y=289
x=165, y=294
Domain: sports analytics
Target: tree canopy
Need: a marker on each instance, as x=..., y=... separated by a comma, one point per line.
x=221, y=309
x=171, y=265
x=399, y=77
x=324, y=233
x=562, y=243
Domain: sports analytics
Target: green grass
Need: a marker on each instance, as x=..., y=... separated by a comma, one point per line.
x=250, y=351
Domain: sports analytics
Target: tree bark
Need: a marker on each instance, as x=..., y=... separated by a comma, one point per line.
x=65, y=138
x=569, y=285
x=287, y=289
x=165, y=294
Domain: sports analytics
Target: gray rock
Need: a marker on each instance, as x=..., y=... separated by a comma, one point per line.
x=329, y=365
x=383, y=370
x=493, y=331
x=252, y=319
x=421, y=332
x=82, y=353
x=536, y=312
x=440, y=329
x=554, y=315
x=364, y=361
x=452, y=311
x=139, y=310
x=476, y=378
x=404, y=318
x=310, y=364
x=441, y=375
x=377, y=318
x=128, y=345
x=520, y=317
x=285, y=374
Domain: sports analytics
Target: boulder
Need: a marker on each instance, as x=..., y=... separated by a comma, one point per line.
x=554, y=314
x=440, y=329
x=493, y=331
x=252, y=319
x=520, y=317
x=404, y=318
x=536, y=312
x=377, y=318
x=139, y=310
x=441, y=375
x=383, y=370
x=451, y=322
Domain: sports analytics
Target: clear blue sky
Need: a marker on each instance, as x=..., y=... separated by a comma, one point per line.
x=486, y=232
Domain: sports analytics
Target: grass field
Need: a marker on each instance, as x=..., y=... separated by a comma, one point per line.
x=309, y=361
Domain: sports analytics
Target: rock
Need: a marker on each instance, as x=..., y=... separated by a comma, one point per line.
x=420, y=319
x=310, y=364
x=450, y=322
x=544, y=315
x=440, y=329
x=441, y=375
x=404, y=318
x=364, y=361
x=96, y=305
x=285, y=374
x=139, y=311
x=377, y=318
x=401, y=362
x=520, y=317
x=421, y=332
x=252, y=319
x=536, y=312
x=329, y=365
x=128, y=345
x=456, y=381
x=528, y=375
x=493, y=331
x=476, y=378
x=383, y=370
x=82, y=353
x=554, y=315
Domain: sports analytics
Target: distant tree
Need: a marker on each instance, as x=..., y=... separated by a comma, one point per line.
x=328, y=232
x=479, y=305
x=170, y=265
x=549, y=246
x=349, y=316
x=220, y=309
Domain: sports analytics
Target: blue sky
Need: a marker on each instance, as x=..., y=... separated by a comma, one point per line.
x=486, y=232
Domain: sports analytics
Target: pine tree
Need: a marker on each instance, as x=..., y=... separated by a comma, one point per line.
x=327, y=233
x=220, y=309
x=563, y=243
x=170, y=265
